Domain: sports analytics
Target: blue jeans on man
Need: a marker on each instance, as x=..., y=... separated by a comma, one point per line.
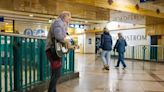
x=106, y=58
x=121, y=59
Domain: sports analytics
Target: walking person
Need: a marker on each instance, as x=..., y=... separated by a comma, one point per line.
x=58, y=32
x=120, y=48
x=106, y=46
x=98, y=47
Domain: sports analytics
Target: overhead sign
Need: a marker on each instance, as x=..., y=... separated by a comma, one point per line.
x=1, y=19
x=143, y=1
x=132, y=36
x=126, y=17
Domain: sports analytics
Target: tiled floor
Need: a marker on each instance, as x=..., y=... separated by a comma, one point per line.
x=137, y=77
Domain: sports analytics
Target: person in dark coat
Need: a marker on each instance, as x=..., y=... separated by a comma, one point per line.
x=120, y=48
x=106, y=46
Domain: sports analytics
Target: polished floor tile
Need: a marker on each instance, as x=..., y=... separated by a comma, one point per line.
x=139, y=76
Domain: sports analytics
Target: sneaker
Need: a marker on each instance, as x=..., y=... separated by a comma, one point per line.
x=116, y=66
x=124, y=67
x=107, y=68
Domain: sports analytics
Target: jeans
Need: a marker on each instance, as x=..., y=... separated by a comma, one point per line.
x=105, y=57
x=121, y=59
x=55, y=75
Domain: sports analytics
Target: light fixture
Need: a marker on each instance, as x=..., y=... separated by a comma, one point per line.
x=82, y=26
x=50, y=20
x=76, y=26
x=31, y=15
x=72, y=25
x=86, y=21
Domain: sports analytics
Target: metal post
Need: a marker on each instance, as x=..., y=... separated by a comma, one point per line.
x=144, y=50
x=0, y=65
x=163, y=53
x=43, y=62
x=34, y=62
x=38, y=59
x=133, y=57
x=30, y=59
x=26, y=58
x=11, y=62
x=17, y=74
x=6, y=64
x=14, y=26
x=73, y=59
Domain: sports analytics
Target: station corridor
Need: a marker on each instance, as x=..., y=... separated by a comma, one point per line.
x=139, y=76
x=36, y=33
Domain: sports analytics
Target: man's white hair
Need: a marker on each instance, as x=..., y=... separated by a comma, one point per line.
x=64, y=14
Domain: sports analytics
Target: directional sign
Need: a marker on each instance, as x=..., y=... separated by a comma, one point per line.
x=1, y=19
x=143, y=1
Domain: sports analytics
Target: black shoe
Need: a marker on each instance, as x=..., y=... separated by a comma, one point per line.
x=106, y=68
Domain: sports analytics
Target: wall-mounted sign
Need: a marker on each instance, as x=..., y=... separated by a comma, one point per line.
x=1, y=19
x=126, y=17
x=39, y=32
x=143, y=1
x=28, y=32
x=89, y=41
x=133, y=36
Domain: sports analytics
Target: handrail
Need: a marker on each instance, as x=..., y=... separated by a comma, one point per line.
x=24, y=62
x=145, y=52
x=20, y=35
x=149, y=45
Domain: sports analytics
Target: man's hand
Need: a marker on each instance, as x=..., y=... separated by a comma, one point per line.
x=100, y=49
x=66, y=40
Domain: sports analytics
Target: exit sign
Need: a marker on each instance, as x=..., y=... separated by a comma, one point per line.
x=144, y=1
x=1, y=19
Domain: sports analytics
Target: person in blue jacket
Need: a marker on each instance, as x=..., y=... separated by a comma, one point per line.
x=106, y=46
x=120, y=48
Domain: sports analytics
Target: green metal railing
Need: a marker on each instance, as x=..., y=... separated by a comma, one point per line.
x=23, y=62
x=145, y=52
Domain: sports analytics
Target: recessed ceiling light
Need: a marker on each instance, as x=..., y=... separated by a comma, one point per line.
x=86, y=21
x=31, y=15
x=50, y=20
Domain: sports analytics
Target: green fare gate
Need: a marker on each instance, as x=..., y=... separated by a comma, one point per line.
x=23, y=62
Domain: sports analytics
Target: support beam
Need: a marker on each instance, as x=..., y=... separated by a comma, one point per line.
x=117, y=6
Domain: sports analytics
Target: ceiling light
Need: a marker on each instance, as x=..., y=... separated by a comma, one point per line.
x=86, y=21
x=50, y=20
x=31, y=15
